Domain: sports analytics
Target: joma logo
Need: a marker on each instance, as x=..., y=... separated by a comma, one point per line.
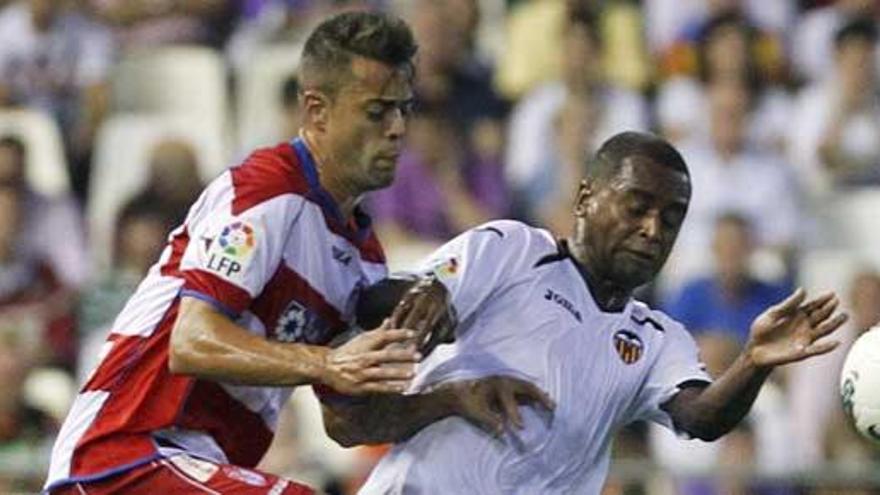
x=565, y=303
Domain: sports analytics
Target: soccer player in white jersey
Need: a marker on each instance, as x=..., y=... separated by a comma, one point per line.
x=249, y=291
x=560, y=313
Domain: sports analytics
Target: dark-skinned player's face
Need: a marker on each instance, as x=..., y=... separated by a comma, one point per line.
x=367, y=119
x=631, y=219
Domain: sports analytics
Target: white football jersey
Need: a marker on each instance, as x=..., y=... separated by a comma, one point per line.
x=526, y=311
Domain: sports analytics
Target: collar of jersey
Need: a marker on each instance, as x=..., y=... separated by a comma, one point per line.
x=564, y=251
x=320, y=195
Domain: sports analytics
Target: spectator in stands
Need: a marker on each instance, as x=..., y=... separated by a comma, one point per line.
x=140, y=23
x=731, y=297
x=837, y=120
x=140, y=235
x=174, y=182
x=671, y=23
x=452, y=76
x=813, y=37
x=555, y=128
x=731, y=174
x=55, y=59
x=45, y=219
x=441, y=189
x=728, y=48
x=26, y=432
x=32, y=300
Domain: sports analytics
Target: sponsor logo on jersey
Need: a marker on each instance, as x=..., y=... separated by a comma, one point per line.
x=299, y=324
x=559, y=299
x=196, y=469
x=246, y=476
x=628, y=346
x=230, y=253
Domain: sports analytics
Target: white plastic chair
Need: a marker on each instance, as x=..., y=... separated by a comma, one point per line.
x=856, y=217
x=178, y=80
x=258, y=99
x=46, y=167
x=120, y=167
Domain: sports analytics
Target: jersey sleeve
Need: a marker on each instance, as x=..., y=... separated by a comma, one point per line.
x=480, y=262
x=677, y=364
x=232, y=255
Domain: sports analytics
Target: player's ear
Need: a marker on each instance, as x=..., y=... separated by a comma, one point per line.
x=585, y=192
x=316, y=107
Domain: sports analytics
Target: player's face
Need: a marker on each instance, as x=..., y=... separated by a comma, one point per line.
x=367, y=121
x=632, y=220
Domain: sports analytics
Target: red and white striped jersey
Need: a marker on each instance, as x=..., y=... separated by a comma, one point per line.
x=266, y=245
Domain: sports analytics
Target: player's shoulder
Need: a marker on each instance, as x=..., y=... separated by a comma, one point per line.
x=514, y=233
x=655, y=319
x=266, y=174
x=515, y=242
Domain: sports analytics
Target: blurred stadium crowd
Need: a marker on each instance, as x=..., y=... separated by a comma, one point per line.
x=114, y=114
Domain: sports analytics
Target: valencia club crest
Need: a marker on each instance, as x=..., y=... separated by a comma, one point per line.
x=628, y=346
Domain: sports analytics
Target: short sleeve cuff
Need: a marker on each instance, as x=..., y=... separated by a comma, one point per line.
x=227, y=297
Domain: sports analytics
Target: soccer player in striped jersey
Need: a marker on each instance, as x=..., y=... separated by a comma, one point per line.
x=560, y=313
x=251, y=289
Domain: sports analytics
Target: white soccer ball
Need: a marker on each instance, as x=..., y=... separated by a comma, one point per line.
x=860, y=384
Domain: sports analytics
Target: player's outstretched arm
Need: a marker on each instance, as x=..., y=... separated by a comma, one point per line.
x=489, y=403
x=790, y=331
x=207, y=344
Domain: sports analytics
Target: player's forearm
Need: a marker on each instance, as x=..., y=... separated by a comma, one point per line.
x=713, y=411
x=208, y=345
x=386, y=418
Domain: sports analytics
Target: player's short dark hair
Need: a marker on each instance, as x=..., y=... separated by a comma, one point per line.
x=329, y=50
x=611, y=155
x=14, y=143
x=856, y=29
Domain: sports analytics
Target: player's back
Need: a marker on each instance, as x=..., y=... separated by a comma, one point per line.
x=538, y=322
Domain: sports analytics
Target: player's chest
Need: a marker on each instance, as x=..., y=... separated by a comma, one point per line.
x=592, y=359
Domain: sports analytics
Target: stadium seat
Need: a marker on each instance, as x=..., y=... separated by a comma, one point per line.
x=855, y=214
x=121, y=163
x=47, y=165
x=258, y=96
x=827, y=269
x=178, y=80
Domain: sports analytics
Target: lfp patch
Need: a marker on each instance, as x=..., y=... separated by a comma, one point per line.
x=237, y=239
x=230, y=253
x=628, y=346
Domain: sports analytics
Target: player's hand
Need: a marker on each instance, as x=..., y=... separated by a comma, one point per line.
x=425, y=308
x=361, y=365
x=794, y=329
x=493, y=403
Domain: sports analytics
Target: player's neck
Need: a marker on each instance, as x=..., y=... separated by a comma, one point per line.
x=345, y=196
x=609, y=296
